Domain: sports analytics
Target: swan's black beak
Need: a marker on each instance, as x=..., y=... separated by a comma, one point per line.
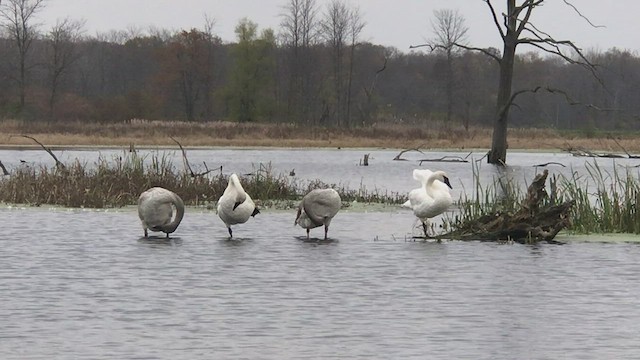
x=446, y=181
x=236, y=204
x=255, y=212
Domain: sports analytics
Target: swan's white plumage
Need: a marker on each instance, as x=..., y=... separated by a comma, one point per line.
x=422, y=175
x=155, y=210
x=318, y=208
x=433, y=197
x=235, y=206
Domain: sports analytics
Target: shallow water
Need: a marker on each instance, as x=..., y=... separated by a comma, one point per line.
x=84, y=284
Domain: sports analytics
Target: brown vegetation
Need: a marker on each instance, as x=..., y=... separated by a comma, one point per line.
x=536, y=219
x=142, y=133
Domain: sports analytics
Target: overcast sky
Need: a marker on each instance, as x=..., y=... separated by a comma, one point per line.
x=398, y=23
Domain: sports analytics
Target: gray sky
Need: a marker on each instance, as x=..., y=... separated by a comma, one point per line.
x=398, y=23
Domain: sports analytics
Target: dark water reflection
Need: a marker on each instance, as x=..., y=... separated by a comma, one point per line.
x=83, y=284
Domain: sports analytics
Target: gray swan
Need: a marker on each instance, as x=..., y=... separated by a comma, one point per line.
x=317, y=208
x=235, y=205
x=155, y=209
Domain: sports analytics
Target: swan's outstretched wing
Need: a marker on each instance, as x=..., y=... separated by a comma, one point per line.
x=321, y=204
x=421, y=175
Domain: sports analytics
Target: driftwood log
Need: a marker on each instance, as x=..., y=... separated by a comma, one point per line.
x=533, y=222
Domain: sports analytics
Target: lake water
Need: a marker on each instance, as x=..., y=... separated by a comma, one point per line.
x=83, y=284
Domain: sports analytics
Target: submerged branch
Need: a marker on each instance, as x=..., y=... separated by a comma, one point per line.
x=59, y=163
x=187, y=165
x=398, y=157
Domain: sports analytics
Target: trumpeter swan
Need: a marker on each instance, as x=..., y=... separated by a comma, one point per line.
x=317, y=208
x=235, y=205
x=155, y=209
x=432, y=198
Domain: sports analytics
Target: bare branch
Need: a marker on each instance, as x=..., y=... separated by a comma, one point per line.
x=470, y=48
x=582, y=16
x=430, y=46
x=555, y=49
x=4, y=169
x=495, y=18
x=529, y=5
x=446, y=159
x=566, y=96
x=188, y=166
x=398, y=157
x=59, y=164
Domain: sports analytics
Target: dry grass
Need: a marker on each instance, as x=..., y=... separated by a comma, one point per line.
x=157, y=133
x=119, y=181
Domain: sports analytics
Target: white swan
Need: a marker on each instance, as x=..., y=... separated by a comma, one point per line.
x=317, y=208
x=235, y=206
x=432, y=198
x=155, y=210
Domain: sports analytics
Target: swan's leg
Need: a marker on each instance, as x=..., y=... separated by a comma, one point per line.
x=308, y=233
x=425, y=228
x=230, y=233
x=167, y=235
x=145, y=233
x=326, y=230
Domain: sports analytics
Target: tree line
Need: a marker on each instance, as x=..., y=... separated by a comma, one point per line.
x=314, y=70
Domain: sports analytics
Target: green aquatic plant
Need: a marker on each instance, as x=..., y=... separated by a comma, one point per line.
x=603, y=201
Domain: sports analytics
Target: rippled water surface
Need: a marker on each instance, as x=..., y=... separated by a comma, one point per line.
x=83, y=284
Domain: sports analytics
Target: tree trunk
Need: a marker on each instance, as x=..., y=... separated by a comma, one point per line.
x=449, y=87
x=498, y=153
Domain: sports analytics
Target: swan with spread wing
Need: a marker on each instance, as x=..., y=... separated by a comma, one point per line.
x=432, y=198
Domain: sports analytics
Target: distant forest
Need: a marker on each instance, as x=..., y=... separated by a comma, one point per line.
x=307, y=72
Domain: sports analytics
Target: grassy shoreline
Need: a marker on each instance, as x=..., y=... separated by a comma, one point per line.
x=153, y=134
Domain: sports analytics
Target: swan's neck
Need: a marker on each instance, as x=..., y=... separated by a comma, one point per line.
x=431, y=190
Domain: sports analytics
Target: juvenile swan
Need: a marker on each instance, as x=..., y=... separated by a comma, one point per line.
x=155, y=209
x=432, y=198
x=235, y=206
x=317, y=208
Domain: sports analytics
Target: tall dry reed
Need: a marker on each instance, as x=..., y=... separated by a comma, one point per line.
x=119, y=181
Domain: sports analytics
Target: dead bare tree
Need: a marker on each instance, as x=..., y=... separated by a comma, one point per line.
x=299, y=31
x=449, y=29
x=516, y=29
x=17, y=16
x=61, y=54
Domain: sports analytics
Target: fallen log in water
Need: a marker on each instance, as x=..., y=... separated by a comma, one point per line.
x=533, y=222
